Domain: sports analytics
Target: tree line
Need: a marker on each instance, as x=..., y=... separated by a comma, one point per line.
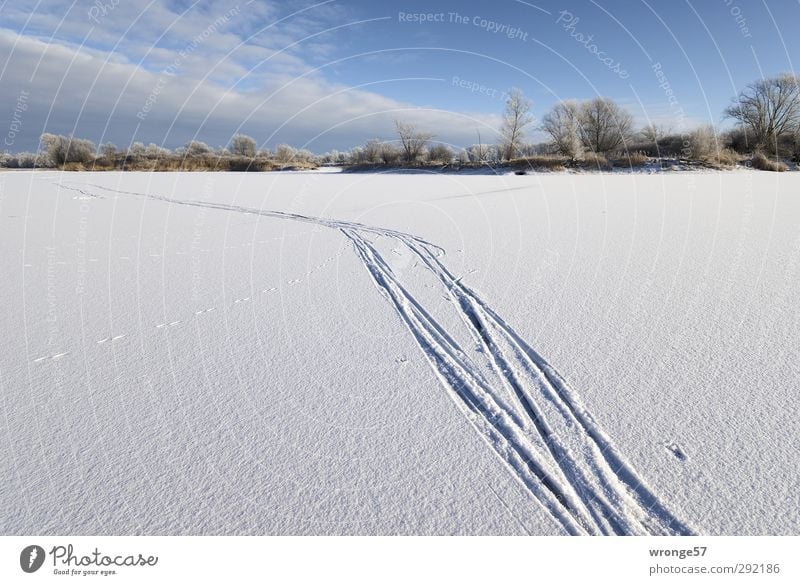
x=597, y=132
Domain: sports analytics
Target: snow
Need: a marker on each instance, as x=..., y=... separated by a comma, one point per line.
x=335, y=353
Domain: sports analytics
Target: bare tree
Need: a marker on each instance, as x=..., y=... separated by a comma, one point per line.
x=412, y=141
x=769, y=109
x=515, y=117
x=605, y=125
x=243, y=145
x=478, y=151
x=563, y=125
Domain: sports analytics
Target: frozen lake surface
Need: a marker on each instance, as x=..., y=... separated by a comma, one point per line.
x=324, y=353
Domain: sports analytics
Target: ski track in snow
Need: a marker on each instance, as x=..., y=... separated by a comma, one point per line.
x=522, y=408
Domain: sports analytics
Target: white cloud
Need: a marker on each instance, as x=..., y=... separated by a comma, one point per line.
x=103, y=96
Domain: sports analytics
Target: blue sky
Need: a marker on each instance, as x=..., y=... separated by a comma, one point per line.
x=333, y=74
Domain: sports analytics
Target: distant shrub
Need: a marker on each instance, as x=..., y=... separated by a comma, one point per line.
x=727, y=157
x=761, y=162
x=440, y=153
x=702, y=143
x=738, y=140
x=137, y=150
x=243, y=163
x=631, y=159
x=195, y=148
x=549, y=162
x=371, y=152
x=796, y=147
x=66, y=149
x=595, y=160
x=284, y=153
x=243, y=145
x=390, y=155
x=153, y=150
x=22, y=160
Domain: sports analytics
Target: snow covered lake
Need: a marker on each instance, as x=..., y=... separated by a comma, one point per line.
x=309, y=353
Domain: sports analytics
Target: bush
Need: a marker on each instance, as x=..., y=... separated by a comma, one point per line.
x=738, y=140
x=390, y=155
x=285, y=154
x=595, y=160
x=727, y=157
x=549, y=162
x=244, y=163
x=194, y=148
x=631, y=159
x=66, y=149
x=243, y=145
x=702, y=143
x=440, y=153
x=762, y=163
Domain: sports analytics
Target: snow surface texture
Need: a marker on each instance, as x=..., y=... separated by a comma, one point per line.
x=309, y=353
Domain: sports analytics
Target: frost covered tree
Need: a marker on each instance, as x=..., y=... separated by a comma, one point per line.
x=390, y=154
x=605, y=125
x=516, y=117
x=154, y=150
x=136, y=150
x=372, y=151
x=702, y=143
x=66, y=149
x=412, y=141
x=440, y=153
x=243, y=145
x=563, y=125
x=109, y=151
x=768, y=109
x=285, y=153
x=197, y=148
